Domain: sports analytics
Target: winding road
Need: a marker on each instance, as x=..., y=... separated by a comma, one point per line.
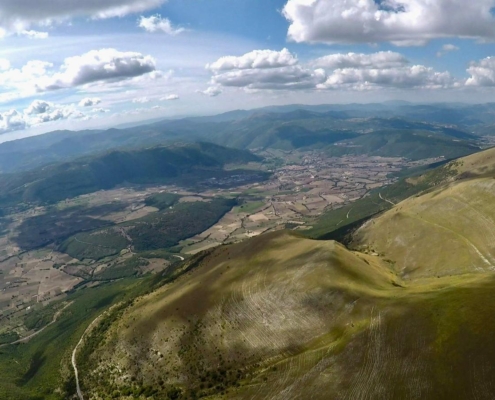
x=74, y=353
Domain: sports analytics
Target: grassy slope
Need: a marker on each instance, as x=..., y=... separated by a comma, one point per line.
x=447, y=231
x=285, y=317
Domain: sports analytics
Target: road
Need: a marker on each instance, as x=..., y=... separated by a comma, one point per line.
x=28, y=338
x=384, y=199
x=74, y=353
x=182, y=258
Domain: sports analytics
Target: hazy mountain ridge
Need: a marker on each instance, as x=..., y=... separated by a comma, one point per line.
x=316, y=126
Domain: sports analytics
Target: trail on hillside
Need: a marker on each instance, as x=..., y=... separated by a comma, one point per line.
x=73, y=359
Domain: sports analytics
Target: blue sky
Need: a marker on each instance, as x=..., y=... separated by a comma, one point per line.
x=98, y=63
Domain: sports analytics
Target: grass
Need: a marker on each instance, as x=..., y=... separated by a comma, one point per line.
x=339, y=323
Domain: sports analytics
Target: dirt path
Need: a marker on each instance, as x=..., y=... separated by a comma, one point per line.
x=384, y=199
x=182, y=258
x=28, y=338
x=74, y=353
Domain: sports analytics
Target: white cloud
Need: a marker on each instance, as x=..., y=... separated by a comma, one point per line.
x=11, y=121
x=40, y=111
x=349, y=71
x=212, y=91
x=170, y=97
x=412, y=22
x=100, y=110
x=34, y=34
x=38, y=107
x=416, y=76
x=156, y=23
x=4, y=64
x=447, y=48
x=255, y=59
x=264, y=69
x=382, y=59
x=482, y=73
x=141, y=100
x=97, y=65
x=89, y=101
x=19, y=16
x=37, y=113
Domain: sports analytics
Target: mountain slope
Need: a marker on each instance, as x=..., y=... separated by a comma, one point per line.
x=281, y=317
x=447, y=231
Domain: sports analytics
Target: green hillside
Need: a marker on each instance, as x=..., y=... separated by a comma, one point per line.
x=186, y=164
x=284, y=315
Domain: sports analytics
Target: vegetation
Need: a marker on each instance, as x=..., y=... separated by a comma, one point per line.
x=166, y=229
x=95, y=245
x=162, y=201
x=56, y=225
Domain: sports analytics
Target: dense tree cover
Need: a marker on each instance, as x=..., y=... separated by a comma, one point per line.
x=163, y=230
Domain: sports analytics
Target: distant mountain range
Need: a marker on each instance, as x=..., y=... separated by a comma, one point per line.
x=389, y=129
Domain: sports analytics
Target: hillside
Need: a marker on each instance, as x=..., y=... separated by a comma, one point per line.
x=188, y=164
x=340, y=135
x=447, y=231
x=280, y=316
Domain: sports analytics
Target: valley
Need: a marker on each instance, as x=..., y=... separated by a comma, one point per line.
x=323, y=255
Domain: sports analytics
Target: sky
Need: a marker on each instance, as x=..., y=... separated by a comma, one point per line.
x=87, y=64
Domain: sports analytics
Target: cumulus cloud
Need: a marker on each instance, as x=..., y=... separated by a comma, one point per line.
x=156, y=23
x=447, y=48
x=18, y=16
x=406, y=23
x=89, y=102
x=255, y=59
x=11, y=120
x=170, y=97
x=97, y=65
x=38, y=112
x=212, y=91
x=416, y=76
x=382, y=59
x=482, y=73
x=264, y=69
x=351, y=71
x=38, y=107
